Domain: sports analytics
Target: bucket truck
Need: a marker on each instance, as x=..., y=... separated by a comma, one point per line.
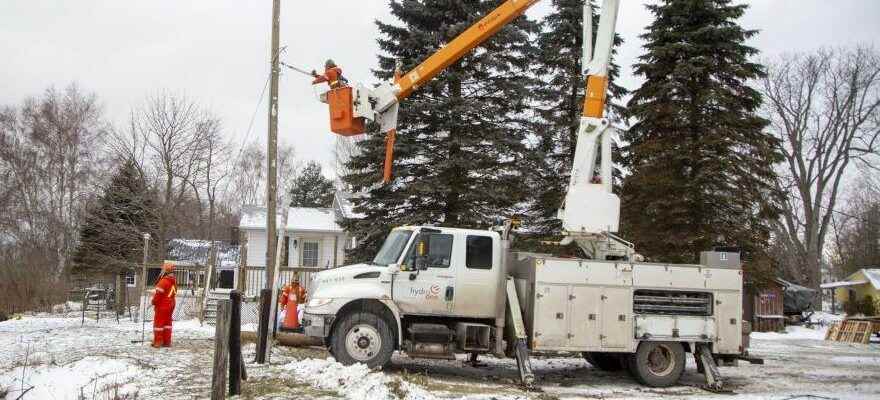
x=436, y=292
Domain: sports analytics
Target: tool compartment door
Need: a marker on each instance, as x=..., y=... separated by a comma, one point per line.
x=584, y=316
x=550, y=329
x=728, y=311
x=616, y=320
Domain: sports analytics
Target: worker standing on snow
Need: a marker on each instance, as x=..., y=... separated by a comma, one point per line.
x=292, y=296
x=332, y=75
x=164, y=300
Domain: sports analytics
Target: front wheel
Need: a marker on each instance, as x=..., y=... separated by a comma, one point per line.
x=657, y=364
x=362, y=337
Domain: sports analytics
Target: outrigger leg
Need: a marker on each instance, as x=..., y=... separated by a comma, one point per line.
x=521, y=350
x=706, y=364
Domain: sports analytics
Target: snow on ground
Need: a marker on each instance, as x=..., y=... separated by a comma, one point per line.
x=61, y=359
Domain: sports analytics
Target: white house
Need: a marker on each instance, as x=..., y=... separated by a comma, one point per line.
x=312, y=237
x=253, y=225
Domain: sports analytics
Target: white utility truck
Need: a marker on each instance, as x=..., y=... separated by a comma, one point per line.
x=437, y=291
x=434, y=292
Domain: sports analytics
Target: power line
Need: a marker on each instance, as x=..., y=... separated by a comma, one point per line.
x=253, y=117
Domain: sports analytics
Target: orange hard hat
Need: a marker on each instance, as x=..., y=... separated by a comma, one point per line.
x=168, y=266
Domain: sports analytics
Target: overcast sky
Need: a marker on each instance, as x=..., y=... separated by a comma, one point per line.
x=217, y=51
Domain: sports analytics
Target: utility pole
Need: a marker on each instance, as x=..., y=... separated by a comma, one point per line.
x=272, y=182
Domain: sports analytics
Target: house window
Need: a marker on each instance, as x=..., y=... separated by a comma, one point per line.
x=130, y=280
x=310, y=254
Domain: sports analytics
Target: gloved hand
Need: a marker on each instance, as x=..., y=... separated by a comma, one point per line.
x=315, y=73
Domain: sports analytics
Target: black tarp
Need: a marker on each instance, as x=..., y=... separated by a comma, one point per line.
x=797, y=299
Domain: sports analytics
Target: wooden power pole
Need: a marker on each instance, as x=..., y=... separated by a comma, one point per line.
x=272, y=180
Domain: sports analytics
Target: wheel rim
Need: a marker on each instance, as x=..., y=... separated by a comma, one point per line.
x=661, y=361
x=363, y=342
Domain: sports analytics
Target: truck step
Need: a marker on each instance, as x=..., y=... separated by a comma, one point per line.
x=473, y=337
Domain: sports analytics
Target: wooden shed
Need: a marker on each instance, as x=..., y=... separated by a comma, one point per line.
x=763, y=307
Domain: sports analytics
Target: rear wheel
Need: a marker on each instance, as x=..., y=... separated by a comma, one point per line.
x=362, y=337
x=606, y=361
x=657, y=364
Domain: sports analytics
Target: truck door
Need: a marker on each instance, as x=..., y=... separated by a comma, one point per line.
x=430, y=291
x=478, y=276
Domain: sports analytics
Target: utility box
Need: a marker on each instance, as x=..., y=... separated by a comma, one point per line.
x=720, y=259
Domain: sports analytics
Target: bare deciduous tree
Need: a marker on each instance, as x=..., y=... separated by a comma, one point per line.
x=173, y=132
x=249, y=176
x=824, y=107
x=50, y=161
x=857, y=229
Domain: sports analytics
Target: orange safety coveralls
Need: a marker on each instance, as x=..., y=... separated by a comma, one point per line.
x=291, y=297
x=331, y=76
x=163, y=302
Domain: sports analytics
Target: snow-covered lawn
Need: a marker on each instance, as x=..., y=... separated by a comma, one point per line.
x=58, y=359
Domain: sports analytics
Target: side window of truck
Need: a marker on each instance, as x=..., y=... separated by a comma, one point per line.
x=479, y=252
x=439, y=252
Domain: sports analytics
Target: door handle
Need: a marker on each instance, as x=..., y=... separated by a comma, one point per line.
x=450, y=292
x=445, y=276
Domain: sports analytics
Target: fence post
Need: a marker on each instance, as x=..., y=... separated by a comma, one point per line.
x=235, y=344
x=221, y=348
x=265, y=299
x=242, y=263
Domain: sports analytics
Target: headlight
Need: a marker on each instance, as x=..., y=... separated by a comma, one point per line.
x=319, y=302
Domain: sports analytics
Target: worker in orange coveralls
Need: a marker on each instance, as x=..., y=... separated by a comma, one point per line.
x=292, y=296
x=332, y=75
x=164, y=297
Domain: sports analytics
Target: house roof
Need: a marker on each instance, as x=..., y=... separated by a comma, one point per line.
x=872, y=276
x=312, y=219
x=254, y=217
x=195, y=252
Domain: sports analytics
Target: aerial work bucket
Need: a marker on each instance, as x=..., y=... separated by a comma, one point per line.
x=342, y=119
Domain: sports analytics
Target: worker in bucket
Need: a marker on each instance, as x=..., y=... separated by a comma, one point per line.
x=164, y=299
x=292, y=296
x=332, y=75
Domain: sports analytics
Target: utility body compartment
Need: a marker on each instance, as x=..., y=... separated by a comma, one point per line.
x=586, y=305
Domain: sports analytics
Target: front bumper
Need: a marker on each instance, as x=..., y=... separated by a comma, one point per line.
x=317, y=325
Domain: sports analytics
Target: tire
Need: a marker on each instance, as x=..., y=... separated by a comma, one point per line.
x=606, y=361
x=362, y=337
x=657, y=364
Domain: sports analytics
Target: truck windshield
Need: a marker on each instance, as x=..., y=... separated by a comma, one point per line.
x=393, y=246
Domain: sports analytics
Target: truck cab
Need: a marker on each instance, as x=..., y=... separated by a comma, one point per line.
x=422, y=277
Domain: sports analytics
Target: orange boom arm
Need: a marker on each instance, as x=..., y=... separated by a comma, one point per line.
x=461, y=45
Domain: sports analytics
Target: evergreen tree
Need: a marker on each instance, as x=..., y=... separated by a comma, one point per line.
x=699, y=159
x=311, y=189
x=460, y=138
x=560, y=96
x=111, y=238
